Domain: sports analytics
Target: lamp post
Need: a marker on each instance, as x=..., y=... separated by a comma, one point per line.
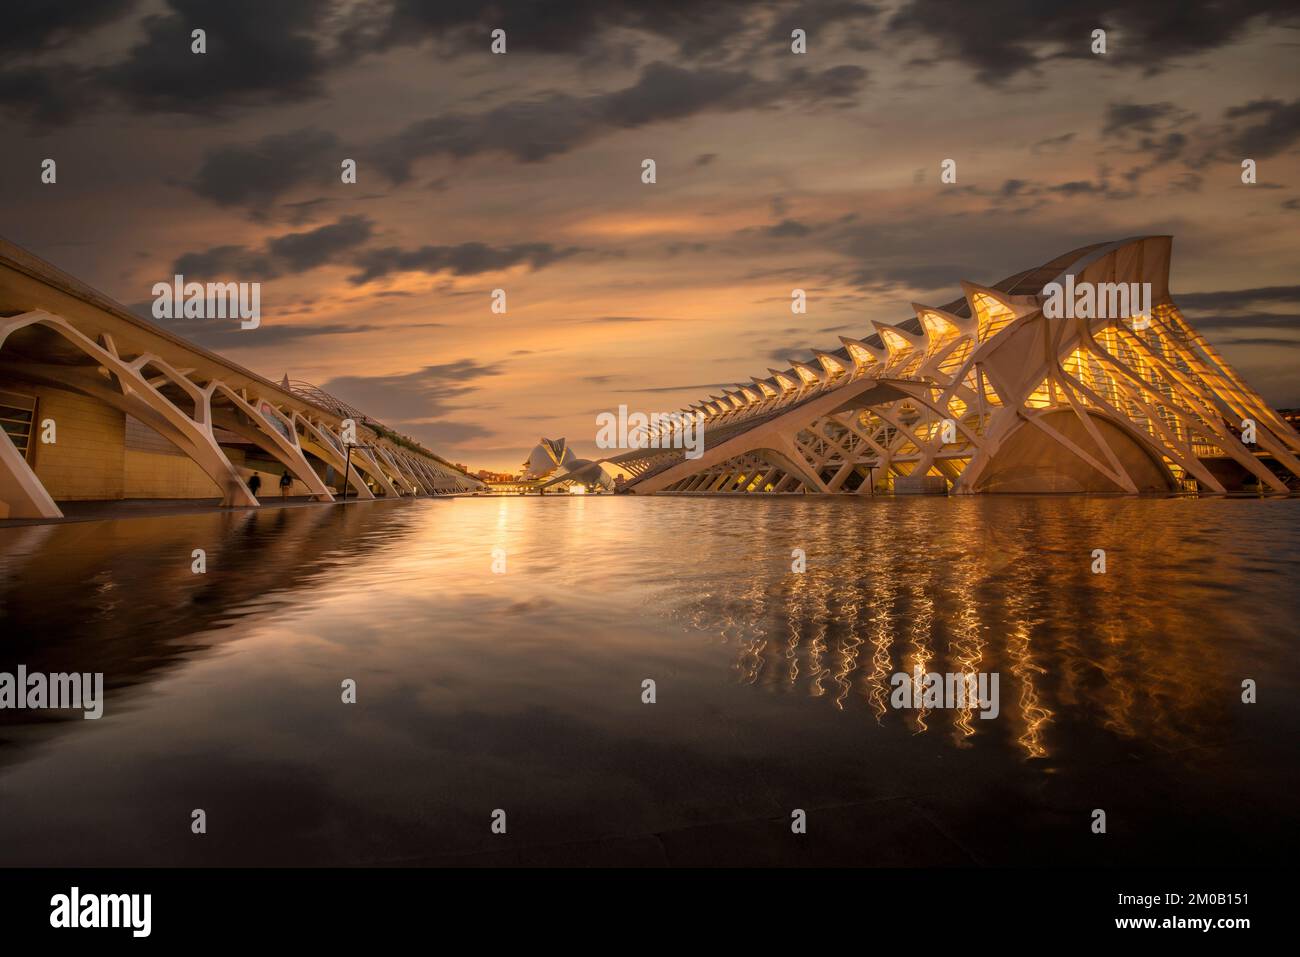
x=347, y=465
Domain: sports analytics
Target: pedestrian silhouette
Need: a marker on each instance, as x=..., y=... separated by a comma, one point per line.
x=285, y=482
x=254, y=484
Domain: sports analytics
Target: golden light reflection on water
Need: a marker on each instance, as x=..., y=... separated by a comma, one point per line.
x=1023, y=600
x=920, y=620
x=967, y=644
x=998, y=586
x=881, y=588
x=478, y=684
x=847, y=656
x=1152, y=650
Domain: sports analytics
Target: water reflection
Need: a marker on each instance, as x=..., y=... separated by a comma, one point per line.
x=1150, y=649
x=120, y=597
x=482, y=690
x=1145, y=650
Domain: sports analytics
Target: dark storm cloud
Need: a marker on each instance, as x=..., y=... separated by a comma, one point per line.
x=815, y=17
x=1053, y=144
x=39, y=89
x=222, y=334
x=1158, y=151
x=45, y=96
x=705, y=387
x=1077, y=187
x=298, y=252
x=925, y=277
x=677, y=248
x=919, y=253
x=1274, y=127
x=440, y=435
x=258, y=174
x=535, y=129
x=270, y=53
x=409, y=397
x=257, y=52
x=1019, y=190
x=787, y=227
x=281, y=255
x=1251, y=320
x=600, y=320
x=529, y=130
x=1165, y=149
x=224, y=261
x=466, y=259
x=576, y=27
x=1149, y=131
x=600, y=32
x=1238, y=298
x=1271, y=342
x=1239, y=308
x=1001, y=38
x=785, y=356
x=33, y=25
x=1123, y=118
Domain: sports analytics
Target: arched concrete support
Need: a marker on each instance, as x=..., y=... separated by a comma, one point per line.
x=1225, y=439
x=1246, y=405
x=435, y=476
x=438, y=479
x=377, y=455
x=422, y=473
x=784, y=452
x=318, y=438
x=395, y=471
x=135, y=394
x=269, y=439
x=366, y=463
x=361, y=460
x=21, y=491
x=1001, y=424
x=776, y=434
x=413, y=474
x=1126, y=458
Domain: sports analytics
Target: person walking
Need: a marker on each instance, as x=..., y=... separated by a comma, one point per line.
x=285, y=482
x=254, y=484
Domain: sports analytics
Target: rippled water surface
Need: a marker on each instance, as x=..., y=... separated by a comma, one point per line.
x=523, y=691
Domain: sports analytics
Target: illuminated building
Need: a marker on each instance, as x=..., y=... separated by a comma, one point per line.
x=990, y=394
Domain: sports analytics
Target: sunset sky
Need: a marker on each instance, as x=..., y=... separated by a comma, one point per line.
x=523, y=171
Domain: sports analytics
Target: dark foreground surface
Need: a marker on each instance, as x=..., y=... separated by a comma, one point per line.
x=522, y=691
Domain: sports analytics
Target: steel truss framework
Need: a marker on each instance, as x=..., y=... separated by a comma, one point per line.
x=989, y=394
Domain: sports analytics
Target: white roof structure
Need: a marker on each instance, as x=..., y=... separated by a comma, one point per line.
x=991, y=394
x=548, y=458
